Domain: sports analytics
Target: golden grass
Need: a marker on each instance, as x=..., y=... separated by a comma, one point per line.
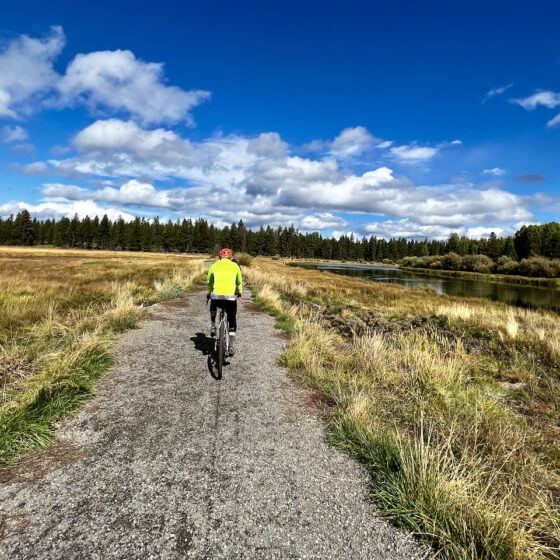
x=59, y=310
x=454, y=404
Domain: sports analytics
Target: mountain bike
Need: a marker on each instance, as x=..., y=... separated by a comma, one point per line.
x=221, y=342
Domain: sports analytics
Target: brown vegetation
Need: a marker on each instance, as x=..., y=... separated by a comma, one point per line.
x=59, y=311
x=454, y=404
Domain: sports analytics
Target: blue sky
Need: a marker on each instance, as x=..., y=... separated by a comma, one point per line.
x=399, y=118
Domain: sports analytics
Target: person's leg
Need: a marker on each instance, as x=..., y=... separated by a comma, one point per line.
x=213, y=307
x=231, y=310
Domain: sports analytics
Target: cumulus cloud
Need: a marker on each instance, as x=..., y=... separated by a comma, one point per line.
x=495, y=91
x=268, y=144
x=13, y=134
x=410, y=229
x=52, y=209
x=351, y=142
x=498, y=171
x=103, y=81
x=322, y=221
x=256, y=179
x=132, y=193
x=118, y=81
x=26, y=72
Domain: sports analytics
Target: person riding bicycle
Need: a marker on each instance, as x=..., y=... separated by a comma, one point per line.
x=225, y=284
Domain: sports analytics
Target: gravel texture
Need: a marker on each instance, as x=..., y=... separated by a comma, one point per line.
x=168, y=462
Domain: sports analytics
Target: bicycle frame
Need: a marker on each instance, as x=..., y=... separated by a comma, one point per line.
x=223, y=319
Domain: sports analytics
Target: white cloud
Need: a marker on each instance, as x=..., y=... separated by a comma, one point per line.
x=132, y=193
x=413, y=153
x=548, y=99
x=322, y=221
x=268, y=144
x=26, y=72
x=554, y=121
x=53, y=209
x=118, y=81
x=410, y=229
x=225, y=178
x=109, y=81
x=494, y=171
x=13, y=134
x=351, y=142
x=495, y=91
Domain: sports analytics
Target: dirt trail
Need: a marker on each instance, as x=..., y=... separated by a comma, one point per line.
x=167, y=462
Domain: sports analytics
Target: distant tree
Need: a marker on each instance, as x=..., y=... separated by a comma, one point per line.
x=22, y=233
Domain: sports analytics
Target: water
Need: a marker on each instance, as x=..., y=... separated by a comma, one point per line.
x=514, y=294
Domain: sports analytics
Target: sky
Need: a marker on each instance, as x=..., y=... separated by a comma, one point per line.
x=373, y=118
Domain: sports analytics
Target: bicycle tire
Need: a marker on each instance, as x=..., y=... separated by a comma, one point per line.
x=221, y=348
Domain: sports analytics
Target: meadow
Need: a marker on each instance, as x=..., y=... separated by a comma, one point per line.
x=452, y=404
x=60, y=311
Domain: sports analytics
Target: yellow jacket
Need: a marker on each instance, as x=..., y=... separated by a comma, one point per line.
x=224, y=280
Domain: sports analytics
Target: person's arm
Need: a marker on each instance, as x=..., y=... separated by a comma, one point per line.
x=210, y=282
x=238, y=282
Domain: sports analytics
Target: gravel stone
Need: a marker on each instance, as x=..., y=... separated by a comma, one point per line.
x=167, y=462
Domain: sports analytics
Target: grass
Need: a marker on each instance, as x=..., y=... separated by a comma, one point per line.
x=453, y=404
x=59, y=313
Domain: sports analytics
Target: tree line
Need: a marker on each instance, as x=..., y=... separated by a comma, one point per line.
x=199, y=236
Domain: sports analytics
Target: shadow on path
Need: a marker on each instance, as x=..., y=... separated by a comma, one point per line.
x=205, y=344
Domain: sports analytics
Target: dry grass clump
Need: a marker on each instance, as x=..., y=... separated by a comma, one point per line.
x=59, y=311
x=454, y=405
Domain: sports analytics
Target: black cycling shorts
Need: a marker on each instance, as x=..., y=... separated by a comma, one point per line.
x=231, y=311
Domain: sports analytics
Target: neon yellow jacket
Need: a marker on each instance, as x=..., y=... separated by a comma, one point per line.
x=224, y=280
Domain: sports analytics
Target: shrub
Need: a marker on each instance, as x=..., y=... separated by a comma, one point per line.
x=244, y=259
x=452, y=261
x=536, y=266
x=478, y=263
x=412, y=262
x=507, y=265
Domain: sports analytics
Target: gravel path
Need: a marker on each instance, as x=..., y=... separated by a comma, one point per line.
x=167, y=462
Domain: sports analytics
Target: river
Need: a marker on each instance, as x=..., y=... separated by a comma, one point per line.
x=514, y=294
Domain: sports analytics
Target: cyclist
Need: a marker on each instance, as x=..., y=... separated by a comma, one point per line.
x=225, y=284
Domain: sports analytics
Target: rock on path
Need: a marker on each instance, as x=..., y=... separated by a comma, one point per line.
x=167, y=462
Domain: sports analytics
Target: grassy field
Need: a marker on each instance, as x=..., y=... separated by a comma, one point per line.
x=453, y=404
x=59, y=313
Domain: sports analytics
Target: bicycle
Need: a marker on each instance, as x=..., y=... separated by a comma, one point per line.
x=221, y=342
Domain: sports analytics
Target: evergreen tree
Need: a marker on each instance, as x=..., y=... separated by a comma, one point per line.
x=22, y=233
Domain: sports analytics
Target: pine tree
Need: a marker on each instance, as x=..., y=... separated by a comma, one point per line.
x=23, y=233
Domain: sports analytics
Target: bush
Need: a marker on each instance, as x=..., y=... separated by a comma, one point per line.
x=507, y=265
x=452, y=261
x=478, y=263
x=412, y=262
x=244, y=259
x=536, y=267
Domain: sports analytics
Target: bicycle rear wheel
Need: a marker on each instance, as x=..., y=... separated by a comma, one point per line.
x=221, y=347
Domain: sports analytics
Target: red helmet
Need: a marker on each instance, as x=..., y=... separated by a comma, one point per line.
x=225, y=253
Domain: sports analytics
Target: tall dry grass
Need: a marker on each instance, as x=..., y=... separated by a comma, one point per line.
x=59, y=312
x=453, y=404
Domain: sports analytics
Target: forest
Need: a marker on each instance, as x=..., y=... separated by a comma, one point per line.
x=199, y=236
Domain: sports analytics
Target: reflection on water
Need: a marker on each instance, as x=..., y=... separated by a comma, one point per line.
x=514, y=294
